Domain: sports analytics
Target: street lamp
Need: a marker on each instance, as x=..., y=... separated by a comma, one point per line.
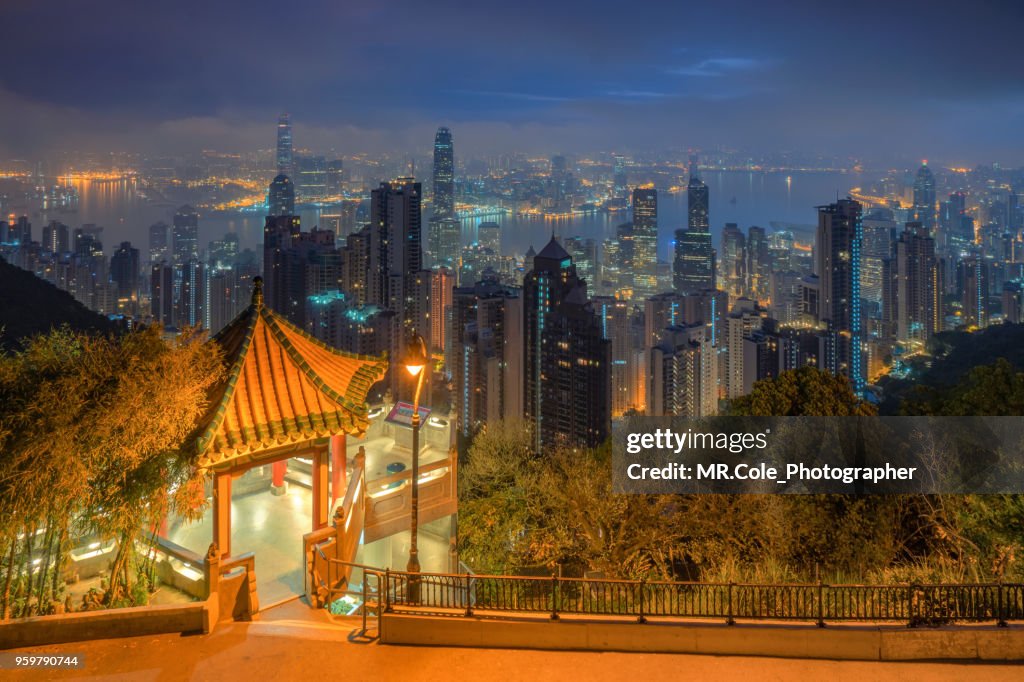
x=416, y=363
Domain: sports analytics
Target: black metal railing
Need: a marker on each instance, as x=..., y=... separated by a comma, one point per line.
x=638, y=599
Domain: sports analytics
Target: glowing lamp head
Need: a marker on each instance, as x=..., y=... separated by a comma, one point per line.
x=415, y=355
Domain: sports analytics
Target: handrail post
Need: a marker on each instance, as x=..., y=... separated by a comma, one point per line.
x=643, y=584
x=365, y=601
x=1000, y=614
x=729, y=619
x=910, y=605
x=387, y=590
x=554, y=597
x=469, y=598
x=821, y=605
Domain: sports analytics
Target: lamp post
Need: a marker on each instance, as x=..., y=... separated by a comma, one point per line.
x=416, y=363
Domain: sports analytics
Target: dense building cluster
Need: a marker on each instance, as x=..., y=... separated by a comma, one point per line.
x=585, y=329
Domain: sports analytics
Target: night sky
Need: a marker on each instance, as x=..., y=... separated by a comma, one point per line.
x=873, y=80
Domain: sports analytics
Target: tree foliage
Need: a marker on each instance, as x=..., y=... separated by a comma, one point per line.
x=807, y=391
x=521, y=512
x=92, y=434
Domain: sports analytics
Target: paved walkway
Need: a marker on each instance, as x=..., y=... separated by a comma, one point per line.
x=292, y=642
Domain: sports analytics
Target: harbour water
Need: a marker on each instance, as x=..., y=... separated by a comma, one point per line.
x=745, y=198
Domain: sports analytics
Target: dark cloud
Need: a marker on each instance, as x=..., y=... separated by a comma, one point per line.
x=935, y=78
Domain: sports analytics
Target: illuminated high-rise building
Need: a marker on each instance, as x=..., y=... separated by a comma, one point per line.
x=682, y=373
x=311, y=181
x=913, y=286
x=158, y=242
x=758, y=263
x=645, y=242
x=694, y=265
x=281, y=196
x=396, y=280
x=56, y=237
x=185, y=236
x=924, y=197
x=285, y=160
x=838, y=268
x=444, y=174
x=619, y=182
x=567, y=380
x=973, y=281
x=733, y=267
x=487, y=354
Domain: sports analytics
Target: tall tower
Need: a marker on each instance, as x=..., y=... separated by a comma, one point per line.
x=913, y=304
x=924, y=197
x=157, y=242
x=837, y=262
x=396, y=281
x=694, y=266
x=567, y=360
x=285, y=160
x=444, y=174
x=645, y=242
x=185, y=236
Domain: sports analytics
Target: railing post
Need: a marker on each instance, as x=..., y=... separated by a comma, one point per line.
x=1000, y=614
x=821, y=605
x=554, y=597
x=387, y=590
x=364, y=601
x=910, y=605
x=643, y=585
x=729, y=619
x=469, y=597
x=212, y=569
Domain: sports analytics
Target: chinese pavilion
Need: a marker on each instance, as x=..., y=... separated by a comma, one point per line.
x=286, y=395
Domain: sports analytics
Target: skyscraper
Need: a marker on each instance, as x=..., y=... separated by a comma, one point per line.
x=913, y=302
x=281, y=196
x=567, y=380
x=619, y=182
x=924, y=197
x=444, y=174
x=285, y=161
x=694, y=264
x=396, y=254
x=973, y=282
x=56, y=237
x=734, y=260
x=185, y=236
x=682, y=373
x=487, y=350
x=124, y=271
x=645, y=242
x=157, y=242
x=758, y=263
x=838, y=267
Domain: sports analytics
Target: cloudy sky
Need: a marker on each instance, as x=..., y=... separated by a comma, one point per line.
x=938, y=79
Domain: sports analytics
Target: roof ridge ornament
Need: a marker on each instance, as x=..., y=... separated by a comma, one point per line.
x=257, y=292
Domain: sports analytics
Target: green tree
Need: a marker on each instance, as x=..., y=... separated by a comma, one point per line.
x=93, y=433
x=807, y=391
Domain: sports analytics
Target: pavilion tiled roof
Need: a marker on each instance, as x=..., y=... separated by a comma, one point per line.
x=283, y=387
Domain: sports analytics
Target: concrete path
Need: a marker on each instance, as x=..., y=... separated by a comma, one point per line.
x=292, y=642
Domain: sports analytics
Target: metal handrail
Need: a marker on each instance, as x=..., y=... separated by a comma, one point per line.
x=914, y=604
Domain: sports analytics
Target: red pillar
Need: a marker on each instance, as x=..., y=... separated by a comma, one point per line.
x=320, y=494
x=339, y=461
x=222, y=513
x=277, y=483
